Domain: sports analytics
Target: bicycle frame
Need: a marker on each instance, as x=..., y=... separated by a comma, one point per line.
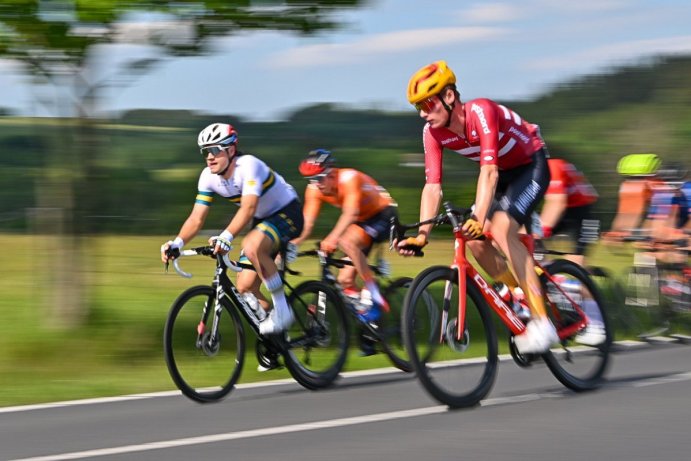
x=325, y=263
x=503, y=310
x=225, y=291
x=466, y=271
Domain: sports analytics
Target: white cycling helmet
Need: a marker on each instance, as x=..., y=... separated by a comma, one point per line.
x=217, y=134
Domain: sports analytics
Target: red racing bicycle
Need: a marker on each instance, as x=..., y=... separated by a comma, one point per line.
x=450, y=335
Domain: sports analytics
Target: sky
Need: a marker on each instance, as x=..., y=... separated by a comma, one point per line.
x=499, y=50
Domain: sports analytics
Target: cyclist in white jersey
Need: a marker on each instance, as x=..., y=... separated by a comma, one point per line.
x=265, y=199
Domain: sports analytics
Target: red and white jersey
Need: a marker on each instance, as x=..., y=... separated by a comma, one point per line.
x=494, y=135
x=566, y=179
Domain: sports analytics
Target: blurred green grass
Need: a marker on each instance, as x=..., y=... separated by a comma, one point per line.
x=118, y=350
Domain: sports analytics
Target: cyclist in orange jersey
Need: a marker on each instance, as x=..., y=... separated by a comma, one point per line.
x=513, y=179
x=366, y=212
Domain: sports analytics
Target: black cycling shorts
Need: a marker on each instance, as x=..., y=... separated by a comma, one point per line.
x=520, y=189
x=378, y=226
x=282, y=226
x=578, y=221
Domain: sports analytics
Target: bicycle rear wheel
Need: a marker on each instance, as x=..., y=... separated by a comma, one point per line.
x=390, y=324
x=317, y=343
x=456, y=372
x=203, y=366
x=581, y=361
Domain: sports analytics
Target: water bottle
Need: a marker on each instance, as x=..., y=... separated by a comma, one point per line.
x=503, y=291
x=516, y=299
x=365, y=303
x=253, y=302
x=520, y=307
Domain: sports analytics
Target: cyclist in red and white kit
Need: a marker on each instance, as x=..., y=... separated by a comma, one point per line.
x=513, y=179
x=568, y=207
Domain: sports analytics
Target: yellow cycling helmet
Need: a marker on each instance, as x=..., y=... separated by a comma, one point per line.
x=429, y=81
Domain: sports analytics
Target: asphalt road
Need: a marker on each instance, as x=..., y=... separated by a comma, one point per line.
x=643, y=412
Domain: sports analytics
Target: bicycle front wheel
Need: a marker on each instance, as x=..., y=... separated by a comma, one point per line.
x=317, y=342
x=390, y=324
x=456, y=369
x=205, y=365
x=582, y=359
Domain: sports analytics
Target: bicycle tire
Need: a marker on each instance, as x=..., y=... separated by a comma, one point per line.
x=391, y=333
x=204, y=373
x=317, y=342
x=577, y=366
x=445, y=372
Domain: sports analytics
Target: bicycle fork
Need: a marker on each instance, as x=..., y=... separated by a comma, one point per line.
x=209, y=340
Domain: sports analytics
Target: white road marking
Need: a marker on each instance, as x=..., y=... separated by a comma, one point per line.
x=317, y=425
x=243, y=434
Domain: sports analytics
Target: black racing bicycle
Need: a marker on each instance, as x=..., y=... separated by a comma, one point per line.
x=385, y=332
x=204, y=338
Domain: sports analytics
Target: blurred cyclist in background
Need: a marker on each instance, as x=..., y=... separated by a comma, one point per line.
x=513, y=170
x=568, y=207
x=265, y=199
x=366, y=211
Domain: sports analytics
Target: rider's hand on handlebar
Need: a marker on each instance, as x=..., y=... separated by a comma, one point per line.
x=328, y=246
x=167, y=249
x=222, y=242
x=472, y=228
x=411, y=245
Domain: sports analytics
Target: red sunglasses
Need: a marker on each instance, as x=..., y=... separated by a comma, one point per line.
x=427, y=104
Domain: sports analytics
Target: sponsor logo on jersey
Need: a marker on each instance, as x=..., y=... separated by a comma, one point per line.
x=519, y=135
x=481, y=116
x=449, y=140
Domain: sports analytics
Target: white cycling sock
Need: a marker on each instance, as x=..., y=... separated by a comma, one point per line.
x=275, y=286
x=374, y=290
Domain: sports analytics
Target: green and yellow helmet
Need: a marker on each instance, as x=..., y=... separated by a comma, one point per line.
x=638, y=165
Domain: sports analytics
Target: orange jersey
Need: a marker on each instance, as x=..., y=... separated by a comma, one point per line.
x=354, y=190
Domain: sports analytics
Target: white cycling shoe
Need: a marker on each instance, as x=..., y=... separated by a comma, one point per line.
x=537, y=338
x=593, y=335
x=277, y=321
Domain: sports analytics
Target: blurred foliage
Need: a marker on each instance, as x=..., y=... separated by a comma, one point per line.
x=147, y=163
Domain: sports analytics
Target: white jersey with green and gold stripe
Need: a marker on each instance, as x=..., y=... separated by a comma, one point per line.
x=251, y=176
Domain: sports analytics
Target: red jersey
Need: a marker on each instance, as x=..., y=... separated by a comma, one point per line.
x=566, y=179
x=494, y=135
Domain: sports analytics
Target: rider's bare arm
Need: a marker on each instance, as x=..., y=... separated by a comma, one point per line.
x=190, y=228
x=310, y=212
x=486, y=187
x=348, y=216
x=248, y=207
x=194, y=222
x=429, y=206
x=553, y=209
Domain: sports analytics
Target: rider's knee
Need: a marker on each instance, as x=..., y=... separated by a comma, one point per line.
x=477, y=247
x=346, y=278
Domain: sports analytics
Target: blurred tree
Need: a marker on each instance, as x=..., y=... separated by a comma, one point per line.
x=55, y=41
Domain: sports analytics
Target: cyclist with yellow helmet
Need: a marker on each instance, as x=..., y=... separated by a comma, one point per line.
x=513, y=178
